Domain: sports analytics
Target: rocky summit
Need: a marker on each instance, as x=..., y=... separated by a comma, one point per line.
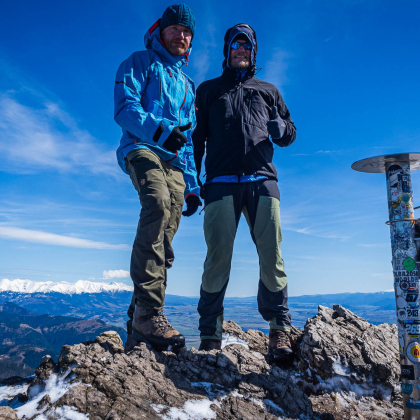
x=344, y=368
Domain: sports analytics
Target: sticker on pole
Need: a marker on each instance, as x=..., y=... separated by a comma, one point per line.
x=407, y=372
x=413, y=352
x=409, y=264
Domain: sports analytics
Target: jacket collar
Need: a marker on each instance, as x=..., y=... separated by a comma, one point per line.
x=153, y=42
x=231, y=74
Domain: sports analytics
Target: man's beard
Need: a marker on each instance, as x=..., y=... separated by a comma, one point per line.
x=240, y=66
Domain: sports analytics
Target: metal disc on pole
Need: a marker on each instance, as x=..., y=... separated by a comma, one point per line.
x=405, y=245
x=377, y=164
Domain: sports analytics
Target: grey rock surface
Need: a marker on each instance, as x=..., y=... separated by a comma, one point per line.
x=6, y=413
x=342, y=371
x=336, y=342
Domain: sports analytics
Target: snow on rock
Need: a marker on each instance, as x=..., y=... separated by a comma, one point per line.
x=329, y=378
x=7, y=393
x=231, y=339
x=191, y=410
x=81, y=286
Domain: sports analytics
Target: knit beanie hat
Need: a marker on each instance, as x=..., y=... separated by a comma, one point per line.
x=178, y=14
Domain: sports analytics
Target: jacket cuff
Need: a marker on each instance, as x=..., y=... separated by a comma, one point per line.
x=189, y=195
x=193, y=191
x=166, y=127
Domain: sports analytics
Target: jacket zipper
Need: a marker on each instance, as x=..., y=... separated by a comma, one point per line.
x=183, y=102
x=241, y=101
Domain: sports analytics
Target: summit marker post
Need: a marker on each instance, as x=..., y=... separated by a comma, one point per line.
x=405, y=246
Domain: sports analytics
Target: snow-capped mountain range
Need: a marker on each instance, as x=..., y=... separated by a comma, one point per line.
x=81, y=286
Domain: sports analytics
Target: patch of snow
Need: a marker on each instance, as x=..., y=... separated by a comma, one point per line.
x=8, y=392
x=64, y=413
x=217, y=391
x=81, y=286
x=231, y=339
x=55, y=386
x=212, y=390
x=340, y=369
x=192, y=410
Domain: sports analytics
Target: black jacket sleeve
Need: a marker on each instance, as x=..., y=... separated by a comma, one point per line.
x=200, y=134
x=289, y=135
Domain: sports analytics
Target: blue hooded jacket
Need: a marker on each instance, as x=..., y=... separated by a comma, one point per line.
x=151, y=90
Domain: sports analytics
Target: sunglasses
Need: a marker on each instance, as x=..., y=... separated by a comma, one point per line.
x=236, y=45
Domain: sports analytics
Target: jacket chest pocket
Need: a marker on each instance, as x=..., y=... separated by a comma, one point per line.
x=257, y=112
x=221, y=110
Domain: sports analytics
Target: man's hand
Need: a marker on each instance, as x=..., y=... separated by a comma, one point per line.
x=176, y=139
x=193, y=202
x=276, y=126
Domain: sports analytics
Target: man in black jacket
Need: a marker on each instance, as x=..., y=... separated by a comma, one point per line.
x=236, y=116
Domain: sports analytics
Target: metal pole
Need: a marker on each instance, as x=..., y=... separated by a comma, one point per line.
x=404, y=262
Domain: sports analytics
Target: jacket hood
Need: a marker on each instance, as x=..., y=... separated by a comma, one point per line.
x=153, y=42
x=231, y=33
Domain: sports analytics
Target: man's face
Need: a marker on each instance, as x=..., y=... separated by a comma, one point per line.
x=177, y=39
x=240, y=58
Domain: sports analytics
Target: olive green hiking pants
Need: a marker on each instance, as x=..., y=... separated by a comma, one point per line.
x=160, y=187
x=260, y=204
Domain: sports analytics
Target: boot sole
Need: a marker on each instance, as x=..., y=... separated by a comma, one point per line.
x=280, y=353
x=157, y=347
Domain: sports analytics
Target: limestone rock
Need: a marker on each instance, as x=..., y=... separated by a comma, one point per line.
x=6, y=413
x=337, y=342
x=342, y=370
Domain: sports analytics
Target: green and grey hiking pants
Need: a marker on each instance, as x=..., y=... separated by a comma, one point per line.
x=161, y=191
x=260, y=204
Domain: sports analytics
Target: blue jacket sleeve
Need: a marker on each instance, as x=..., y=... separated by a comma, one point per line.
x=130, y=84
x=190, y=173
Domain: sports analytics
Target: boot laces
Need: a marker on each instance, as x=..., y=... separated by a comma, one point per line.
x=282, y=339
x=160, y=321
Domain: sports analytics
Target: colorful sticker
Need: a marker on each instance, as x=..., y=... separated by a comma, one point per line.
x=402, y=314
x=411, y=298
x=406, y=198
x=407, y=389
x=412, y=313
x=413, y=352
x=409, y=264
x=407, y=372
x=401, y=303
x=412, y=251
x=412, y=327
x=410, y=404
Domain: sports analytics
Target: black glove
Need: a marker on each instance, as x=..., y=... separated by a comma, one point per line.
x=276, y=127
x=193, y=202
x=176, y=139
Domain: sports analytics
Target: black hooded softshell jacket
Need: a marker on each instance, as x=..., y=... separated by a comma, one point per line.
x=232, y=126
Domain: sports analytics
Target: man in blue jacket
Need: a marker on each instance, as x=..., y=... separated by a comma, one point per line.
x=154, y=105
x=239, y=117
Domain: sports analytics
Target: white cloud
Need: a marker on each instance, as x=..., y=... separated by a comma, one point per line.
x=373, y=245
x=386, y=276
x=53, y=239
x=308, y=231
x=46, y=137
x=276, y=68
x=116, y=274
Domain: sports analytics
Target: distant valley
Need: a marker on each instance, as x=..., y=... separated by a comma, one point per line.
x=25, y=337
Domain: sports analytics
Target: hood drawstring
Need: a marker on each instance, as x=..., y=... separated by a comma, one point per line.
x=187, y=58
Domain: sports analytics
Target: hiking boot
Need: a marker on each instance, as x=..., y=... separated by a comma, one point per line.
x=208, y=344
x=152, y=327
x=279, y=343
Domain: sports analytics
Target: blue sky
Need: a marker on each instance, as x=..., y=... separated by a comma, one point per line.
x=347, y=69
